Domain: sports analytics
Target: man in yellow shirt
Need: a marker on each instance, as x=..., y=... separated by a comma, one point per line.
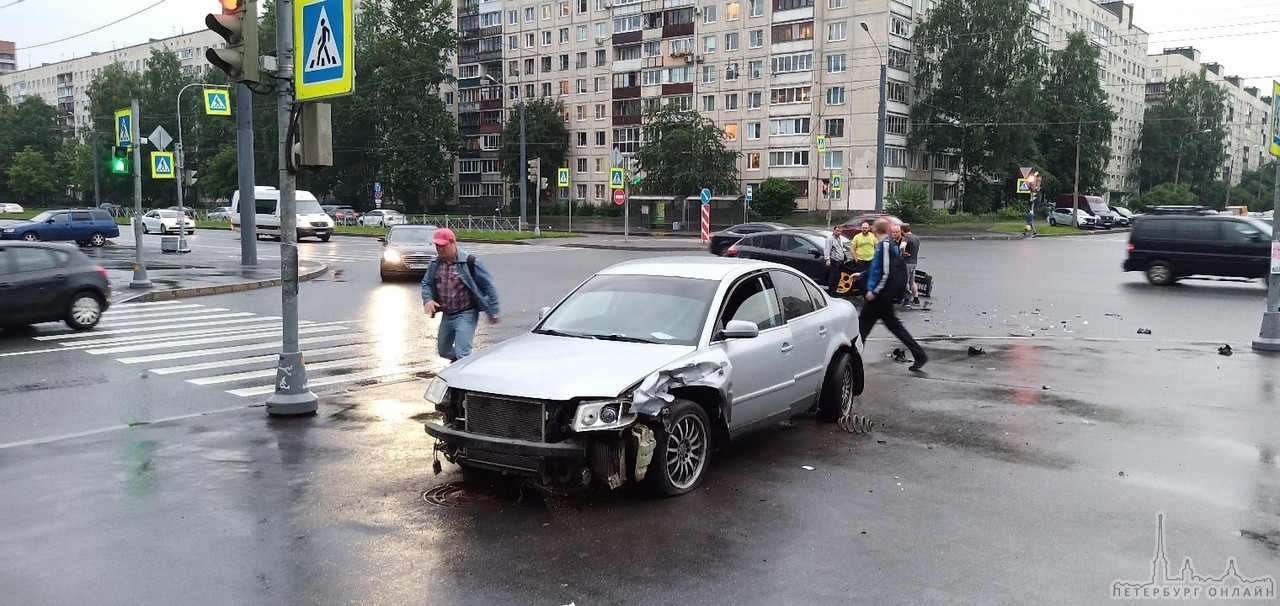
x=864, y=249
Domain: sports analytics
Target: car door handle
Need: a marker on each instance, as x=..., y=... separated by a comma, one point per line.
x=786, y=348
x=822, y=331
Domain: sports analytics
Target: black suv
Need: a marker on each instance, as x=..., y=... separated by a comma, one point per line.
x=1170, y=247
x=48, y=282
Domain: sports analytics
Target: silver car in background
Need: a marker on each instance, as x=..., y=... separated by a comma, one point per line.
x=645, y=368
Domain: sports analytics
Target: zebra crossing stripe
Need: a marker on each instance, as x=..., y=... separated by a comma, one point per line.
x=270, y=372
x=362, y=376
x=236, y=314
x=312, y=353
x=180, y=355
x=144, y=329
x=205, y=341
x=175, y=338
x=146, y=308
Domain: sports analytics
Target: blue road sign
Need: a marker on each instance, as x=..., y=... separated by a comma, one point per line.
x=323, y=64
x=162, y=165
x=124, y=128
x=749, y=188
x=705, y=196
x=377, y=186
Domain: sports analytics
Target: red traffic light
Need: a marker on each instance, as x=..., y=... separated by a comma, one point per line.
x=231, y=6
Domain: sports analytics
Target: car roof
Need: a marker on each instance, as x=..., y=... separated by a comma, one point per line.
x=24, y=244
x=804, y=231
x=699, y=268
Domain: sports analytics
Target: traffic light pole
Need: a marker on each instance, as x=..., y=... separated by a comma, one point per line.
x=524, y=183
x=244, y=170
x=181, y=174
x=1269, y=335
x=292, y=395
x=537, y=203
x=140, y=279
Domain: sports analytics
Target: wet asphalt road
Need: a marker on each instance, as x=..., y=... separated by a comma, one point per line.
x=1031, y=474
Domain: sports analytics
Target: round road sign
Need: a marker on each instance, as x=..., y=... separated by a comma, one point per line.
x=619, y=198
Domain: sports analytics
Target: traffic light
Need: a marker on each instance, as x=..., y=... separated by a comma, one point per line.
x=542, y=183
x=238, y=25
x=533, y=170
x=1033, y=180
x=189, y=178
x=120, y=161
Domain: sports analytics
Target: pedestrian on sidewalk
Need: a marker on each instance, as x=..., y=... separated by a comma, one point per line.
x=1030, y=230
x=835, y=255
x=910, y=254
x=886, y=282
x=457, y=285
x=864, y=248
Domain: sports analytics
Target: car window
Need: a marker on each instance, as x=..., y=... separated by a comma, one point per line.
x=1241, y=232
x=815, y=294
x=1197, y=230
x=661, y=309
x=799, y=245
x=80, y=215
x=766, y=241
x=792, y=293
x=33, y=259
x=752, y=300
x=61, y=217
x=100, y=215
x=265, y=207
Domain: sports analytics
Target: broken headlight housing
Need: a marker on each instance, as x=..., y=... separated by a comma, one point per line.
x=436, y=392
x=600, y=415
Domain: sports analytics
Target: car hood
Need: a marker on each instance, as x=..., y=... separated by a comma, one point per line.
x=410, y=249
x=578, y=368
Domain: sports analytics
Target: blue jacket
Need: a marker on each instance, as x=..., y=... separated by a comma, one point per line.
x=878, y=275
x=480, y=284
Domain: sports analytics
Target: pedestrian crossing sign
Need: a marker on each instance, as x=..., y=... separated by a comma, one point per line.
x=563, y=175
x=1024, y=186
x=124, y=128
x=323, y=40
x=835, y=183
x=162, y=165
x=822, y=144
x=217, y=102
x=615, y=178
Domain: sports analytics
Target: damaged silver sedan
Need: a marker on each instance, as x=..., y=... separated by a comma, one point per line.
x=645, y=368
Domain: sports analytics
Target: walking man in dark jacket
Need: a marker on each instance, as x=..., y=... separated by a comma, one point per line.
x=460, y=287
x=886, y=283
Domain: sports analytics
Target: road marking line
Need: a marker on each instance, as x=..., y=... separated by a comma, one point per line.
x=202, y=341
x=175, y=336
x=140, y=329
x=229, y=314
x=375, y=374
x=170, y=303
x=90, y=432
x=270, y=372
x=179, y=355
x=137, y=308
x=246, y=361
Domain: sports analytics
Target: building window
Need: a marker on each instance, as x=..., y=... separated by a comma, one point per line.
x=580, y=113
x=600, y=57
x=789, y=126
x=753, y=161
x=837, y=32
x=835, y=64
x=600, y=111
x=582, y=165
x=708, y=74
x=528, y=41
x=599, y=192
x=564, y=9
x=546, y=38
x=627, y=140
x=633, y=23
x=469, y=167
x=755, y=38
x=530, y=13
x=899, y=59
x=835, y=127
x=895, y=124
x=753, y=100
x=895, y=157
x=709, y=14
x=731, y=132
x=731, y=41
x=799, y=157
x=897, y=91
x=753, y=130
x=900, y=27
x=490, y=142
x=599, y=84
x=682, y=45
x=709, y=44
x=564, y=35
x=785, y=64
x=792, y=32
x=731, y=71
x=652, y=48
x=833, y=160
x=835, y=95
x=600, y=138
x=757, y=8
x=731, y=101
x=709, y=103
x=733, y=11
x=837, y=3
x=798, y=94
x=546, y=89
x=513, y=17
x=546, y=12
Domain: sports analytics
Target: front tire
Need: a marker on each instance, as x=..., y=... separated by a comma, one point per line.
x=842, y=384
x=680, y=461
x=1160, y=273
x=31, y=236
x=324, y=237
x=84, y=311
x=1052, y=223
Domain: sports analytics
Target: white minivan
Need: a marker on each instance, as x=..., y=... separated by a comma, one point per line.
x=312, y=220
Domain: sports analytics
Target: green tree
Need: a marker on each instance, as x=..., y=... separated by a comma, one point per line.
x=220, y=176
x=775, y=198
x=978, y=72
x=910, y=202
x=547, y=141
x=1183, y=134
x=1261, y=183
x=1166, y=194
x=111, y=90
x=30, y=176
x=31, y=123
x=73, y=168
x=1075, y=106
x=684, y=152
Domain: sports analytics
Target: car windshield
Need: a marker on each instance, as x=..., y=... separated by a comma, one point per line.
x=1262, y=226
x=44, y=216
x=309, y=207
x=411, y=235
x=1099, y=207
x=653, y=309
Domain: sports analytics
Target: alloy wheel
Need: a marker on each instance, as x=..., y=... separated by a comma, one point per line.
x=30, y=237
x=686, y=451
x=86, y=310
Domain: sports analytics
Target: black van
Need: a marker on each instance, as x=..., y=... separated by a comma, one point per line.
x=1170, y=247
x=1093, y=205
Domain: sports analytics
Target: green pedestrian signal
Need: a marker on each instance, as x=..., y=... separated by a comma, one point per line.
x=120, y=161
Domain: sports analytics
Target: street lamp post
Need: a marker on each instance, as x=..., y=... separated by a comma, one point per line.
x=880, y=120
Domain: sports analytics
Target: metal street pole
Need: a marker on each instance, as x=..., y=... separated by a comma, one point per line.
x=524, y=181
x=97, y=199
x=244, y=170
x=140, y=279
x=292, y=395
x=179, y=166
x=537, y=203
x=1269, y=335
x=880, y=119
x=1075, y=199
x=626, y=198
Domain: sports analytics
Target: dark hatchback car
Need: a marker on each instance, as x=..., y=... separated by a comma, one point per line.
x=1168, y=248
x=854, y=224
x=724, y=238
x=797, y=247
x=47, y=282
x=83, y=226
x=407, y=250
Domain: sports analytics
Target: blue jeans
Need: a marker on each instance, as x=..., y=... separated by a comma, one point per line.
x=456, y=333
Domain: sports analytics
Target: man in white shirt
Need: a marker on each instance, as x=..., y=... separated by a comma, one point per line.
x=835, y=254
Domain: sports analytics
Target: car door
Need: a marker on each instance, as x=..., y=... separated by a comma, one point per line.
x=761, y=381
x=804, y=255
x=1199, y=249
x=9, y=307
x=37, y=282
x=81, y=225
x=809, y=333
x=759, y=246
x=58, y=227
x=1245, y=249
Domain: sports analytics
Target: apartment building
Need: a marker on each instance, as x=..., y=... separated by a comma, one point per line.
x=8, y=57
x=772, y=74
x=1122, y=68
x=1245, y=114
x=65, y=84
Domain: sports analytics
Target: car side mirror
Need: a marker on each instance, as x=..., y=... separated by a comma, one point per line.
x=542, y=313
x=50, y=220
x=1256, y=237
x=740, y=329
x=817, y=254
x=382, y=239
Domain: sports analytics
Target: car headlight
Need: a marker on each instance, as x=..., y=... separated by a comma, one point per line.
x=9, y=230
x=436, y=392
x=391, y=256
x=597, y=416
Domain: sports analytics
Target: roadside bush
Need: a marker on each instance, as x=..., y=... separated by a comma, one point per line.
x=911, y=203
x=775, y=198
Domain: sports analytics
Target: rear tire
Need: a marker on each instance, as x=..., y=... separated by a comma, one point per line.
x=84, y=311
x=1160, y=273
x=145, y=229
x=680, y=460
x=98, y=239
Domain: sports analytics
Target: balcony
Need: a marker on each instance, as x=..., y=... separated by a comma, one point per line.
x=677, y=89
x=627, y=120
x=677, y=30
x=626, y=92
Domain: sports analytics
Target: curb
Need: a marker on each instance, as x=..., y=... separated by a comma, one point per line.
x=202, y=291
x=639, y=248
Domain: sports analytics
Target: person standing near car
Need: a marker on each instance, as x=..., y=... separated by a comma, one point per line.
x=864, y=248
x=457, y=285
x=886, y=282
x=835, y=255
x=910, y=254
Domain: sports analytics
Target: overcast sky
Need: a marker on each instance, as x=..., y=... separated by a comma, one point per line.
x=1242, y=35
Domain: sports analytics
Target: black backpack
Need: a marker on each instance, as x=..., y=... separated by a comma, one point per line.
x=896, y=286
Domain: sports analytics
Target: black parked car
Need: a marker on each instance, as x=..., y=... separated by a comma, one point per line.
x=854, y=224
x=797, y=247
x=722, y=239
x=1170, y=247
x=49, y=282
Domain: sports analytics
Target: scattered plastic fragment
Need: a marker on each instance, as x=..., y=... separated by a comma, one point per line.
x=1225, y=350
x=976, y=351
x=1144, y=331
x=807, y=467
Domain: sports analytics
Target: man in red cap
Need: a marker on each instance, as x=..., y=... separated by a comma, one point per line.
x=460, y=287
